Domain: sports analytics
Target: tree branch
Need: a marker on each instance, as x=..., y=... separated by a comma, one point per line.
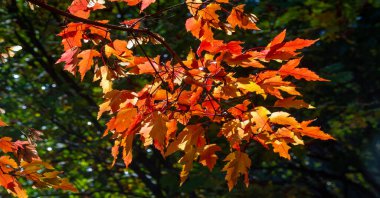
x=112, y=27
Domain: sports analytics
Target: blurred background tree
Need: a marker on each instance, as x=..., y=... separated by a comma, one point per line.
x=34, y=92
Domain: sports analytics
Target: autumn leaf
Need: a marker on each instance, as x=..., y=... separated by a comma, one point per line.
x=235, y=132
x=208, y=157
x=313, y=132
x=146, y=3
x=12, y=185
x=6, y=144
x=26, y=151
x=72, y=35
x=82, y=8
x=248, y=85
x=239, y=109
x=278, y=49
x=209, y=12
x=119, y=49
x=289, y=69
x=27, y=165
x=283, y=118
x=282, y=148
x=187, y=161
x=241, y=19
x=292, y=103
x=155, y=128
x=106, y=76
x=124, y=119
x=127, y=149
x=79, y=8
x=193, y=6
x=71, y=60
x=260, y=119
x=278, y=39
x=191, y=135
x=238, y=163
x=297, y=44
x=87, y=61
x=194, y=26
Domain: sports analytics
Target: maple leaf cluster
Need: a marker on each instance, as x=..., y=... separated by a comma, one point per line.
x=173, y=113
x=19, y=159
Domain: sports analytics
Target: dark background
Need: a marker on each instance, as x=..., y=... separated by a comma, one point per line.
x=34, y=92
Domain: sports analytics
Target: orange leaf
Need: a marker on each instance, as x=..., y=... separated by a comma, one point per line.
x=278, y=39
x=115, y=151
x=193, y=5
x=12, y=185
x=194, y=26
x=127, y=149
x=6, y=145
x=248, y=85
x=239, y=109
x=87, y=61
x=79, y=8
x=146, y=3
x=207, y=155
x=289, y=69
x=282, y=148
x=314, y=132
x=82, y=8
x=297, y=44
x=72, y=35
x=278, y=49
x=292, y=103
x=124, y=119
x=241, y=19
x=6, y=160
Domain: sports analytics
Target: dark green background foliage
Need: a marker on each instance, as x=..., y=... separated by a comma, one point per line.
x=36, y=93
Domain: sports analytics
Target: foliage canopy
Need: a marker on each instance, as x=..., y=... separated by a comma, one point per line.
x=217, y=102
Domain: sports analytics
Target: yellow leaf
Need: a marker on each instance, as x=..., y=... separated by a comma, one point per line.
x=248, y=85
x=283, y=118
x=154, y=127
x=208, y=13
x=192, y=135
x=260, y=118
x=187, y=161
